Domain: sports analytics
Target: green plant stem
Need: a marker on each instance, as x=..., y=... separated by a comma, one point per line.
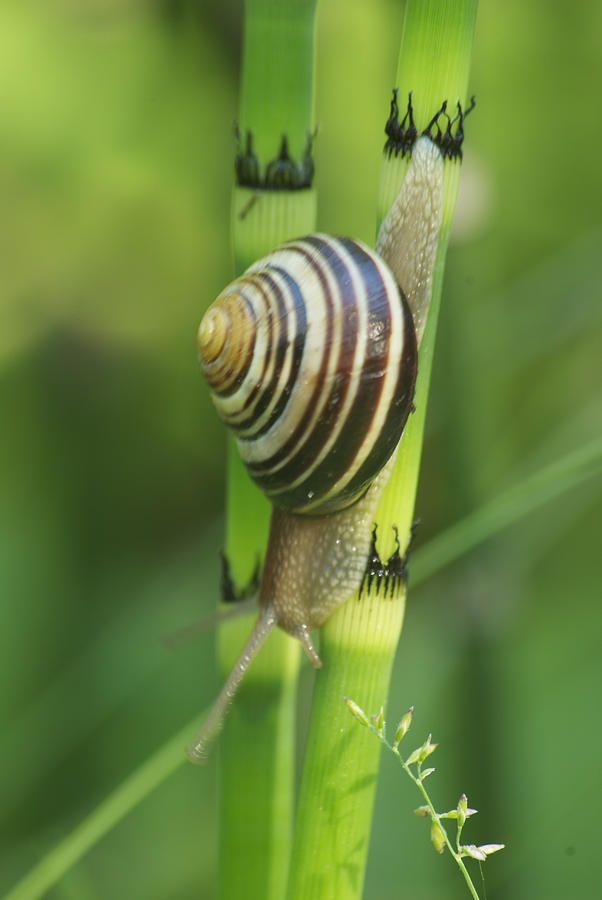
x=336, y=775
x=435, y=817
x=255, y=781
x=257, y=744
x=339, y=777
x=377, y=726
x=277, y=84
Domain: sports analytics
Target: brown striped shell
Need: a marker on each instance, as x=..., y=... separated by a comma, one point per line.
x=311, y=360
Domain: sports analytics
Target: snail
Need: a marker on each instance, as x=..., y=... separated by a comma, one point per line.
x=311, y=357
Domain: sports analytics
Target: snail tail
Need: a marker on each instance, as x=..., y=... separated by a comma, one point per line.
x=199, y=748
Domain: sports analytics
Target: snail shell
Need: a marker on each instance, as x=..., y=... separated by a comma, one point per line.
x=311, y=360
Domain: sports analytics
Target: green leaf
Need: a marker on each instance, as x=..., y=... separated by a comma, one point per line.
x=508, y=508
x=148, y=776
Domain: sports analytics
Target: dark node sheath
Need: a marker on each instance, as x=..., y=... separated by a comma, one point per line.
x=282, y=173
x=402, y=135
x=228, y=591
x=390, y=575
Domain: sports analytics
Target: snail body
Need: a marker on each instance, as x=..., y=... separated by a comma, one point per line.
x=311, y=359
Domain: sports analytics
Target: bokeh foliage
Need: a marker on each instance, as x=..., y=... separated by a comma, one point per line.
x=115, y=176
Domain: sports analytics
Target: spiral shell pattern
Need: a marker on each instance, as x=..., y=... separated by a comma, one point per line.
x=311, y=359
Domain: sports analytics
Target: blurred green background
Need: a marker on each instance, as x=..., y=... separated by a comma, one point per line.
x=115, y=178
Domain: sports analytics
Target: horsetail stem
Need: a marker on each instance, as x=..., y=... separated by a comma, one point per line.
x=359, y=641
x=273, y=144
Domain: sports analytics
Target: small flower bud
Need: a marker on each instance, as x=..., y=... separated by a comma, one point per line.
x=403, y=727
x=378, y=720
x=437, y=837
x=474, y=851
x=461, y=810
x=488, y=849
x=414, y=756
x=356, y=711
x=450, y=814
x=426, y=749
x=425, y=773
x=422, y=811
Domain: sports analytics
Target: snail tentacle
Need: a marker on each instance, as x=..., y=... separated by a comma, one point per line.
x=199, y=748
x=175, y=639
x=302, y=634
